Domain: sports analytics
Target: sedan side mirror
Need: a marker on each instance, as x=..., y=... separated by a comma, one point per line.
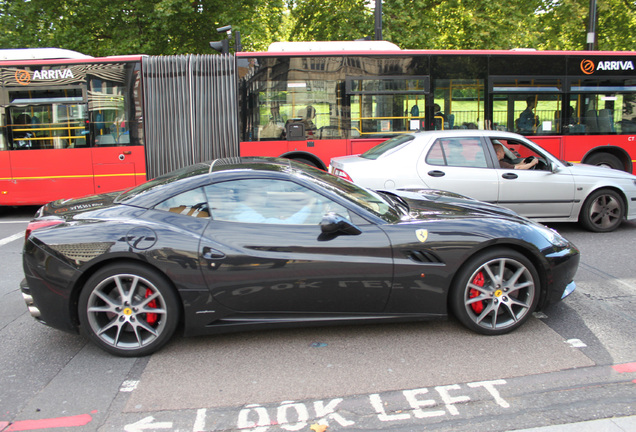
x=334, y=224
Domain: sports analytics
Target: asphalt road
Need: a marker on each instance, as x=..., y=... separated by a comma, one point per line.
x=575, y=361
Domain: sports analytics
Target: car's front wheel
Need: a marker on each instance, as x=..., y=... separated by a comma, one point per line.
x=495, y=291
x=602, y=211
x=128, y=310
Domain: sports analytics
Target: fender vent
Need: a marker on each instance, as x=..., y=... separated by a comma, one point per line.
x=420, y=256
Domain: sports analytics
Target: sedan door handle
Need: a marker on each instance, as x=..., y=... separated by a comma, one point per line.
x=436, y=173
x=510, y=176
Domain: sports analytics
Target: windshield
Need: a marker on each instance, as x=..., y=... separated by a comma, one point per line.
x=365, y=198
x=380, y=149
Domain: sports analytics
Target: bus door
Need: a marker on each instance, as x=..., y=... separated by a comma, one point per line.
x=117, y=163
x=383, y=106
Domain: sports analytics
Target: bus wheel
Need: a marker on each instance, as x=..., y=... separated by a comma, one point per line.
x=602, y=211
x=606, y=160
x=306, y=162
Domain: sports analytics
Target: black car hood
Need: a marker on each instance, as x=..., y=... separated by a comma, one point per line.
x=67, y=208
x=427, y=203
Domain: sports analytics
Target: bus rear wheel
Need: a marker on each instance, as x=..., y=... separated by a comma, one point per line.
x=606, y=160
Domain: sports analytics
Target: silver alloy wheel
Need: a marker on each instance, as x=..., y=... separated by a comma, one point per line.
x=126, y=311
x=499, y=294
x=605, y=212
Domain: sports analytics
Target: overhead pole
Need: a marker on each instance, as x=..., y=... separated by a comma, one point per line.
x=591, y=28
x=378, y=19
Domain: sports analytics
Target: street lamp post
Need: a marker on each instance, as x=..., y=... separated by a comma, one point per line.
x=591, y=28
x=378, y=19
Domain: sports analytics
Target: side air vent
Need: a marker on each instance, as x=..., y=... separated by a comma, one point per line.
x=420, y=256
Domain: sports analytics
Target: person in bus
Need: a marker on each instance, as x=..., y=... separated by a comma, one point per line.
x=308, y=120
x=441, y=121
x=21, y=137
x=501, y=154
x=528, y=121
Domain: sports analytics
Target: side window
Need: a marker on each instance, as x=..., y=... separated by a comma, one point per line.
x=464, y=152
x=191, y=203
x=269, y=201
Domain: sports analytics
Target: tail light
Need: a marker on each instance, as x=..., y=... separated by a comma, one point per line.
x=342, y=174
x=37, y=224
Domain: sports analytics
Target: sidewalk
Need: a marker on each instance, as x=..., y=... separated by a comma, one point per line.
x=616, y=424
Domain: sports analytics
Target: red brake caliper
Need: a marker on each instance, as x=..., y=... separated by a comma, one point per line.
x=151, y=318
x=478, y=307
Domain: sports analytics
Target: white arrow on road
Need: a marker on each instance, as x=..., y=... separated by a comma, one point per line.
x=147, y=423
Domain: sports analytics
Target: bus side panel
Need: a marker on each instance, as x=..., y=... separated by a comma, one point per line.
x=118, y=168
x=553, y=144
x=324, y=149
x=575, y=147
x=359, y=146
x=40, y=176
x=5, y=176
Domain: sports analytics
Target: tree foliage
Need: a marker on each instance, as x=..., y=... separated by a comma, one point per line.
x=108, y=27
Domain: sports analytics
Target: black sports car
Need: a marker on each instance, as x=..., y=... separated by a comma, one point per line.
x=255, y=242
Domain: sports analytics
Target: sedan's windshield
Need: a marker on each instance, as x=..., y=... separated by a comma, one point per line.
x=365, y=198
x=380, y=149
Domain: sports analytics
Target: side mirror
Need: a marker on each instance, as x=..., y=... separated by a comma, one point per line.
x=334, y=224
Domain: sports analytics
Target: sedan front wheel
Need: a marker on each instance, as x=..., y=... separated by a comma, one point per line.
x=603, y=211
x=495, y=292
x=128, y=310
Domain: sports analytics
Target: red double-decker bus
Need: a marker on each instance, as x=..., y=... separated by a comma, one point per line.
x=315, y=100
x=75, y=125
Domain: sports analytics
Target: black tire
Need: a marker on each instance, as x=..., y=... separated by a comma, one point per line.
x=602, y=211
x=306, y=162
x=128, y=310
x=606, y=160
x=495, y=292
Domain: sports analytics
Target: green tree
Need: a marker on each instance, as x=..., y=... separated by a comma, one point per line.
x=459, y=24
x=108, y=27
x=337, y=20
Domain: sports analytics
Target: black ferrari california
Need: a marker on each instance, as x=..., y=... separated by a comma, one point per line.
x=250, y=243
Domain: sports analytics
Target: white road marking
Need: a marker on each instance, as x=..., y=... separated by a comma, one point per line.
x=6, y=240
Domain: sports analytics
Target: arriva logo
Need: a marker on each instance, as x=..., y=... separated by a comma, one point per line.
x=588, y=67
x=24, y=77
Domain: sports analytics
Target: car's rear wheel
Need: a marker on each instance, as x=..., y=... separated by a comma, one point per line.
x=495, y=292
x=128, y=310
x=602, y=211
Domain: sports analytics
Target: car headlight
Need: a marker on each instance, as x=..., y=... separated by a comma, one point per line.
x=553, y=236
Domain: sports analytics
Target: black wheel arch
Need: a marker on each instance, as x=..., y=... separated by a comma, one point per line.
x=305, y=157
x=617, y=152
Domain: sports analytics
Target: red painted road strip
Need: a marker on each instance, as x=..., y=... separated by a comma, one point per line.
x=27, y=425
x=626, y=368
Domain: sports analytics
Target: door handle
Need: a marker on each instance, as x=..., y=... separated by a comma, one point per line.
x=510, y=176
x=212, y=254
x=436, y=173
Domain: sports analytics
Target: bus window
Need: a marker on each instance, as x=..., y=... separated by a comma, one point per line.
x=46, y=119
x=459, y=104
x=602, y=106
x=527, y=106
x=387, y=105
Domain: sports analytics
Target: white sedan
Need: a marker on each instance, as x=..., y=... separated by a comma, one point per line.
x=466, y=162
